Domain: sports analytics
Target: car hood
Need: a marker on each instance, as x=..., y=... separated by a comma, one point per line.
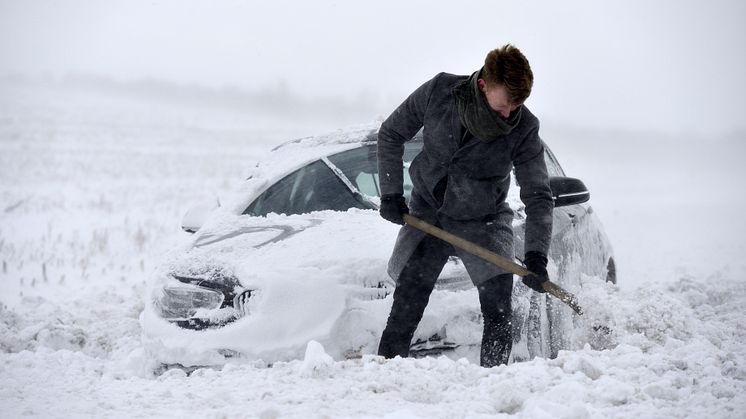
x=349, y=247
x=257, y=235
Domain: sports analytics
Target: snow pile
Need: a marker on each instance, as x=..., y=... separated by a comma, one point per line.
x=316, y=361
x=696, y=367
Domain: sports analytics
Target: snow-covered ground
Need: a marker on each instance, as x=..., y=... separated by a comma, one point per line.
x=94, y=186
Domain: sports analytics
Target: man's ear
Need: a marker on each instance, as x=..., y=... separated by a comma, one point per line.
x=481, y=84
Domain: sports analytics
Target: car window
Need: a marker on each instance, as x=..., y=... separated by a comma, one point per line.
x=311, y=188
x=360, y=166
x=553, y=166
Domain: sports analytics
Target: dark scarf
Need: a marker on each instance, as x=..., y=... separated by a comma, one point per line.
x=477, y=116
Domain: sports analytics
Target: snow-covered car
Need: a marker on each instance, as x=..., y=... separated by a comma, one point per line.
x=299, y=253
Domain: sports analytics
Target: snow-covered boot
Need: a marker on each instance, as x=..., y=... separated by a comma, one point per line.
x=497, y=336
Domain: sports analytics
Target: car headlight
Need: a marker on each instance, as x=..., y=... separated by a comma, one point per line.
x=182, y=302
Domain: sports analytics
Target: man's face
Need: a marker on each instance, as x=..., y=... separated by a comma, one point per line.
x=497, y=98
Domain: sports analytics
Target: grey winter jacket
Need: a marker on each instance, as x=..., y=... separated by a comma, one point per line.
x=473, y=205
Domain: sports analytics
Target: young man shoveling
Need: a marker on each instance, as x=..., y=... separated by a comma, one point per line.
x=476, y=129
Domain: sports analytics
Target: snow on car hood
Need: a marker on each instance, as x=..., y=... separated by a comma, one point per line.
x=256, y=236
x=355, y=243
x=302, y=268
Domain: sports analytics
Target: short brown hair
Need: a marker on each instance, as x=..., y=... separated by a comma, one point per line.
x=508, y=66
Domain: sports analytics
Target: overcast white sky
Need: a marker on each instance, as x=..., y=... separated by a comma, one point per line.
x=675, y=66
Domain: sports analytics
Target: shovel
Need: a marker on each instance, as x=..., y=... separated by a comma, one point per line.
x=492, y=257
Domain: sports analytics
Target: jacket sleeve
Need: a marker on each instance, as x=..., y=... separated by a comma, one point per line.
x=398, y=128
x=531, y=175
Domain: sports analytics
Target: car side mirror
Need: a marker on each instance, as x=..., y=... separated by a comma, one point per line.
x=196, y=216
x=568, y=191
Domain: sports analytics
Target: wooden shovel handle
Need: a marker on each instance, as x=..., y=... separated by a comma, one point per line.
x=492, y=257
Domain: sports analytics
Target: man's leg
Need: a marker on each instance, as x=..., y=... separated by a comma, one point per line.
x=497, y=337
x=411, y=295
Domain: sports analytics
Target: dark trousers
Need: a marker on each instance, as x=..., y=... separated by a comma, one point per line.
x=412, y=294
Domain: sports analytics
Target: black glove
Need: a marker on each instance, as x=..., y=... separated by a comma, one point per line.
x=536, y=262
x=393, y=207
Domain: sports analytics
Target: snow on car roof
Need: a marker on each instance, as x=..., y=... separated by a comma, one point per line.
x=351, y=135
x=296, y=153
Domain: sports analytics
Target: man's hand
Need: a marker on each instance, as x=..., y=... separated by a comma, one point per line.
x=536, y=262
x=393, y=207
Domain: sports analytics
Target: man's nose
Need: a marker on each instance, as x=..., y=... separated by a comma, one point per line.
x=505, y=114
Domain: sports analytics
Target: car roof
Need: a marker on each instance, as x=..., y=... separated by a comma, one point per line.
x=295, y=154
x=352, y=135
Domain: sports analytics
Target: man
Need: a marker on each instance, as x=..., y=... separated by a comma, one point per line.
x=475, y=130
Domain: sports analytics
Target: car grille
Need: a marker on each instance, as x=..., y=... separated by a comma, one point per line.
x=241, y=303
